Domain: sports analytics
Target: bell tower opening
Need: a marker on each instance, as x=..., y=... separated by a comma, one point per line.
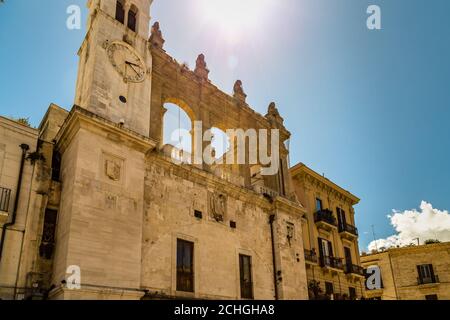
x=132, y=18
x=120, y=11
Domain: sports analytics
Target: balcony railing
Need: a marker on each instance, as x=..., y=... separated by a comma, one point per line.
x=325, y=216
x=5, y=195
x=348, y=228
x=331, y=262
x=354, y=269
x=311, y=256
x=428, y=280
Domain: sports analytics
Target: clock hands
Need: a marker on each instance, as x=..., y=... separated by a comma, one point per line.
x=131, y=64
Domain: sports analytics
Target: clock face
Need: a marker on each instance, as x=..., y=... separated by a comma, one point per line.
x=127, y=62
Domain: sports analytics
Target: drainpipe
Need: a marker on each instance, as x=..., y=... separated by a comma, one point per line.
x=275, y=281
x=24, y=148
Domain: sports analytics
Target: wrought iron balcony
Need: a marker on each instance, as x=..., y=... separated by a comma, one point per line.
x=311, y=256
x=324, y=218
x=331, y=262
x=5, y=195
x=348, y=229
x=354, y=269
x=428, y=280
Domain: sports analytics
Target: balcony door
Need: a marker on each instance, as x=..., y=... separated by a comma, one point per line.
x=341, y=218
x=348, y=256
x=326, y=251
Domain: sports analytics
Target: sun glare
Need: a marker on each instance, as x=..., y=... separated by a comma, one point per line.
x=232, y=16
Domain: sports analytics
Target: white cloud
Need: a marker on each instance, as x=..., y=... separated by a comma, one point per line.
x=428, y=223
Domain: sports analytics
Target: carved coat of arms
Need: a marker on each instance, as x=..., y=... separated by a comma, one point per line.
x=112, y=170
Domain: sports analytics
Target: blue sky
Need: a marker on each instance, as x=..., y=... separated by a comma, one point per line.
x=370, y=109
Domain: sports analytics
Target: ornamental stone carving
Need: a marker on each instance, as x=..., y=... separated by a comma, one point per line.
x=217, y=206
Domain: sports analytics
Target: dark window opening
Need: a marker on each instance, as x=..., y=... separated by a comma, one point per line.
x=348, y=256
x=132, y=19
x=329, y=288
x=5, y=195
x=352, y=293
x=431, y=297
x=342, y=220
x=185, y=266
x=48, y=234
x=120, y=12
x=426, y=274
x=233, y=224
x=56, y=166
x=198, y=214
x=245, y=267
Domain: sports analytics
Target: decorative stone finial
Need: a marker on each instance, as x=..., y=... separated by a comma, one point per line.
x=156, y=38
x=201, y=69
x=239, y=91
x=273, y=115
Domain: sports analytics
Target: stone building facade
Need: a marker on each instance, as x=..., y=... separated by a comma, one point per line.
x=102, y=205
x=330, y=238
x=411, y=273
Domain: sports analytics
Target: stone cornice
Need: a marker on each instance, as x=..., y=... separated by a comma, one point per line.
x=17, y=126
x=82, y=118
x=196, y=175
x=399, y=251
x=302, y=172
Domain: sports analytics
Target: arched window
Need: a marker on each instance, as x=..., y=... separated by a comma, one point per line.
x=120, y=11
x=132, y=18
x=177, y=132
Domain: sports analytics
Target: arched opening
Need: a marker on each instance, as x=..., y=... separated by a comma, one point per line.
x=220, y=143
x=177, y=138
x=120, y=11
x=132, y=18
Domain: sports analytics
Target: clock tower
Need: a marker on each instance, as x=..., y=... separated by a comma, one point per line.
x=114, y=75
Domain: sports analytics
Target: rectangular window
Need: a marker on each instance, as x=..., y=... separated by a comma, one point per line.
x=319, y=205
x=329, y=288
x=48, y=234
x=342, y=221
x=5, y=195
x=132, y=20
x=120, y=12
x=245, y=267
x=431, y=297
x=185, y=266
x=352, y=293
x=348, y=256
x=426, y=274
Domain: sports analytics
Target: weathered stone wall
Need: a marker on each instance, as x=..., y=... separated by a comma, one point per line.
x=172, y=194
x=12, y=135
x=398, y=268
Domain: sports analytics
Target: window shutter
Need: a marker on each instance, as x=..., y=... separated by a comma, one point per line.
x=419, y=272
x=330, y=249
x=430, y=266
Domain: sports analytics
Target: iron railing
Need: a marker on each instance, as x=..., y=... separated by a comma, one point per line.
x=311, y=256
x=348, y=228
x=332, y=262
x=325, y=216
x=355, y=269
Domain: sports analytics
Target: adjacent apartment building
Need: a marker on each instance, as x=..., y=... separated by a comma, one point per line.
x=411, y=273
x=330, y=237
